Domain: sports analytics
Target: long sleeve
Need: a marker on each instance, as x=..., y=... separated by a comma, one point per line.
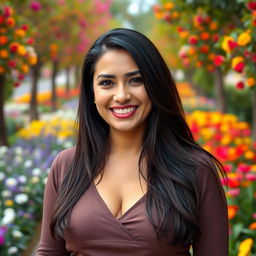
x=47, y=245
x=213, y=218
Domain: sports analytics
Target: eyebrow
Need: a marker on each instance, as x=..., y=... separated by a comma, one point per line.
x=133, y=73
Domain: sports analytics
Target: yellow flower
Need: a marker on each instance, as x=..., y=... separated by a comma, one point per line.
x=225, y=44
x=236, y=60
x=20, y=33
x=249, y=155
x=22, y=50
x=250, y=81
x=245, y=247
x=169, y=6
x=244, y=39
x=9, y=202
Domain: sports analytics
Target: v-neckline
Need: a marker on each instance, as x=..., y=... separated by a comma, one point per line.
x=108, y=210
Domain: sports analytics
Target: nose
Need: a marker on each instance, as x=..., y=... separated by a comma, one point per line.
x=121, y=95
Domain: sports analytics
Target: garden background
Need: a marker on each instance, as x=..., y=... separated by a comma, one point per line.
x=210, y=47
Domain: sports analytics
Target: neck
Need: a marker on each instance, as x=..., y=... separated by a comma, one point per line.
x=126, y=143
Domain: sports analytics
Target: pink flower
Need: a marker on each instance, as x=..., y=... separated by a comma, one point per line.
x=243, y=168
x=228, y=167
x=250, y=176
x=233, y=192
x=35, y=6
x=254, y=215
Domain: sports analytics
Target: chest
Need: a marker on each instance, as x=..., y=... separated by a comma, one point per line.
x=121, y=185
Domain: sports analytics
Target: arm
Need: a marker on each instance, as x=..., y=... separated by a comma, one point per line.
x=47, y=245
x=213, y=218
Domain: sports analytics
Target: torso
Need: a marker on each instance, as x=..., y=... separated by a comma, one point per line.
x=121, y=185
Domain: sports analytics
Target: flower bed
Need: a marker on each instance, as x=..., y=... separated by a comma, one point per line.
x=23, y=171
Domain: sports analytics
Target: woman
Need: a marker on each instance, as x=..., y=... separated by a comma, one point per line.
x=136, y=183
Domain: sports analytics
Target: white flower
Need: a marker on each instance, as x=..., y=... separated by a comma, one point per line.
x=67, y=144
x=28, y=163
x=21, y=198
x=13, y=250
x=36, y=171
x=22, y=179
x=9, y=215
x=11, y=182
x=17, y=234
x=35, y=179
x=45, y=180
x=3, y=150
x=6, y=193
x=2, y=176
x=18, y=159
x=18, y=150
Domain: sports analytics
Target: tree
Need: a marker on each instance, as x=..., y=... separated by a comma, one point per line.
x=16, y=55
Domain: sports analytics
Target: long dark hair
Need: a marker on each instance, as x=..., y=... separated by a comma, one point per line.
x=169, y=149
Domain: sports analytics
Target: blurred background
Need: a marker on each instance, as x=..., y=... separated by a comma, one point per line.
x=210, y=48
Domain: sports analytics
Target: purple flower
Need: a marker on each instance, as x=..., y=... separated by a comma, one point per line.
x=3, y=230
x=35, y=6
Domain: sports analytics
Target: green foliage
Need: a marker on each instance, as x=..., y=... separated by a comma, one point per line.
x=204, y=80
x=239, y=102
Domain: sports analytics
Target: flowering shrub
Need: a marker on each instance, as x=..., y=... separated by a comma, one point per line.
x=240, y=48
x=16, y=54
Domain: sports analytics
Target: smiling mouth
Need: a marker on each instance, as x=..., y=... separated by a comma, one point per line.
x=122, y=113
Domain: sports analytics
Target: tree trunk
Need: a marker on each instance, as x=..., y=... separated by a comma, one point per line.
x=54, y=94
x=189, y=77
x=254, y=114
x=35, y=72
x=67, y=80
x=219, y=91
x=3, y=132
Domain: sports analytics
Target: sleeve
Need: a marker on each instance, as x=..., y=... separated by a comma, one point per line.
x=213, y=215
x=47, y=245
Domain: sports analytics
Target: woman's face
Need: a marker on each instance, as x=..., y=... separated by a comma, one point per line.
x=120, y=95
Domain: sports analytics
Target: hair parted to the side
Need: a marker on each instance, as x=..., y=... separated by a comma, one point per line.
x=169, y=149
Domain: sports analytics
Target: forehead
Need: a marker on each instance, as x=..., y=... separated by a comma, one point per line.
x=115, y=60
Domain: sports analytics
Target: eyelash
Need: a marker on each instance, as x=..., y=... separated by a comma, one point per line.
x=134, y=81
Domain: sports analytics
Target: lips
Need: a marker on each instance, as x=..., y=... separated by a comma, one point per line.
x=123, y=112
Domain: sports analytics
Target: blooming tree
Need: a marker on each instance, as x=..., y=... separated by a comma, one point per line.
x=16, y=55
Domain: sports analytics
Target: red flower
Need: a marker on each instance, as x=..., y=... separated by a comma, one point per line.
x=180, y=29
x=30, y=41
x=7, y=11
x=240, y=85
x=204, y=48
x=16, y=84
x=1, y=19
x=12, y=63
x=251, y=6
x=254, y=57
x=215, y=37
x=193, y=40
x=218, y=60
x=14, y=47
x=232, y=44
x=21, y=76
x=239, y=67
x=24, y=27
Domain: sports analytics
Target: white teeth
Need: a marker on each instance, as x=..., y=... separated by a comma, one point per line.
x=124, y=110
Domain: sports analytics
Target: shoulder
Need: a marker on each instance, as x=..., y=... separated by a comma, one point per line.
x=208, y=176
x=60, y=165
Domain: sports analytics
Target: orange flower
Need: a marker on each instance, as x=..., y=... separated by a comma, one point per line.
x=204, y=48
x=175, y=15
x=32, y=60
x=20, y=33
x=249, y=155
x=250, y=81
x=232, y=210
x=169, y=6
x=205, y=36
x=213, y=26
x=3, y=40
x=4, y=54
x=24, y=68
x=2, y=70
x=10, y=22
x=21, y=50
x=3, y=30
x=210, y=67
x=211, y=56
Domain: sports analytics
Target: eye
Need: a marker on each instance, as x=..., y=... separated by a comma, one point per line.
x=136, y=80
x=106, y=83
